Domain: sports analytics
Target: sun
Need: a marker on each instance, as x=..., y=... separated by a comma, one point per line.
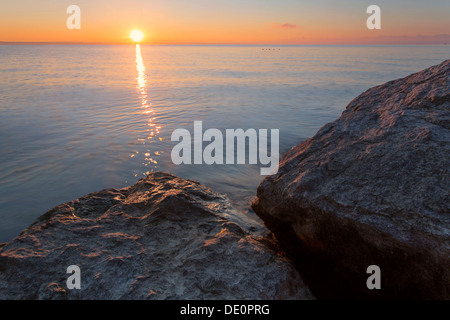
x=136, y=35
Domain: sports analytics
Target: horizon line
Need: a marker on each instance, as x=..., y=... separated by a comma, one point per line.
x=209, y=44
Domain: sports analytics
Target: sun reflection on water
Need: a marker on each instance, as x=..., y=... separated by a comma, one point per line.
x=153, y=129
x=142, y=77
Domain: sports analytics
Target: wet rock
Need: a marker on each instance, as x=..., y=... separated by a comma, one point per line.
x=371, y=188
x=162, y=238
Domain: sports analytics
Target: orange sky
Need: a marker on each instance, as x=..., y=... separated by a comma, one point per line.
x=226, y=21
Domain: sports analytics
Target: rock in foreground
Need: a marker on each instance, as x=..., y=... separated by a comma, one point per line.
x=371, y=188
x=162, y=238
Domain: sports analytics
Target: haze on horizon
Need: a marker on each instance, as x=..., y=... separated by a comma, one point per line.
x=227, y=21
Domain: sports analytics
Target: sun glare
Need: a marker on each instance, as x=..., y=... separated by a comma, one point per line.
x=136, y=35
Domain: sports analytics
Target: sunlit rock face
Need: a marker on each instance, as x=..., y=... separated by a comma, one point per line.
x=371, y=188
x=162, y=238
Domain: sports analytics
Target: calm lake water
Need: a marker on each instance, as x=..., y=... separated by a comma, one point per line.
x=75, y=119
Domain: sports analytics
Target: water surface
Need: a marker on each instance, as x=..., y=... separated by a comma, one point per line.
x=75, y=119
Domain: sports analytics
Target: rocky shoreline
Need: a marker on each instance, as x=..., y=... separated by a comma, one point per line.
x=371, y=188
x=161, y=238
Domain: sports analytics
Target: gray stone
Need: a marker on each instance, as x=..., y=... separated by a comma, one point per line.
x=371, y=188
x=162, y=238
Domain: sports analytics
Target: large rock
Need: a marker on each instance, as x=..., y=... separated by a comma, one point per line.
x=371, y=188
x=162, y=238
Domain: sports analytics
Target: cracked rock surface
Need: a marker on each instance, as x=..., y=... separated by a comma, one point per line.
x=161, y=238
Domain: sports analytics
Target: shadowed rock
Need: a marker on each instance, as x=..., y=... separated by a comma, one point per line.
x=162, y=238
x=371, y=188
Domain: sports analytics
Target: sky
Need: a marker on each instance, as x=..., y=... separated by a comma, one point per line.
x=227, y=21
